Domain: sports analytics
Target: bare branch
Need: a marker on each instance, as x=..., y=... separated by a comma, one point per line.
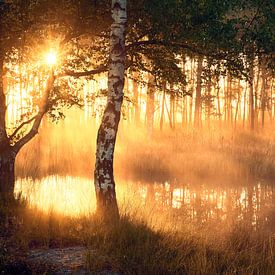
x=99, y=70
x=21, y=126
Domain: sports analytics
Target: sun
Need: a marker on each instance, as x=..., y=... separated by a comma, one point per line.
x=51, y=58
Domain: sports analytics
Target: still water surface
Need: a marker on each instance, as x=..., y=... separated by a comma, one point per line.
x=73, y=196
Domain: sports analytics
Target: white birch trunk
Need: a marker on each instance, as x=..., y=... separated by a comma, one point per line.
x=106, y=138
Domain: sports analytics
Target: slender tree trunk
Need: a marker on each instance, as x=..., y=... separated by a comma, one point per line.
x=238, y=102
x=136, y=101
x=183, y=111
x=225, y=107
x=229, y=100
x=263, y=93
x=162, y=106
x=197, y=118
x=270, y=100
x=172, y=109
x=106, y=137
x=183, y=100
x=209, y=102
x=192, y=89
x=219, y=103
x=168, y=114
x=191, y=110
x=257, y=94
x=127, y=111
x=251, y=99
x=150, y=104
x=244, y=106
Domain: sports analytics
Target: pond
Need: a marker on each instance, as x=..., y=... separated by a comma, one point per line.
x=74, y=196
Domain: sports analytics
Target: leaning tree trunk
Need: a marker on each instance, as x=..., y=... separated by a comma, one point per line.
x=106, y=137
x=8, y=152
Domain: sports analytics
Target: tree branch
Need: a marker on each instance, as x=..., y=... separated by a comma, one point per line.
x=99, y=70
x=43, y=107
x=20, y=127
x=154, y=42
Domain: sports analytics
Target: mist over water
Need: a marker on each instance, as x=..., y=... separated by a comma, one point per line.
x=74, y=196
x=199, y=176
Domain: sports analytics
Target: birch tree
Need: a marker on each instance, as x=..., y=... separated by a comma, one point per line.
x=106, y=137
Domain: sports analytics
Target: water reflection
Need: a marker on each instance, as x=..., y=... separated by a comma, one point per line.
x=254, y=204
x=69, y=196
x=75, y=196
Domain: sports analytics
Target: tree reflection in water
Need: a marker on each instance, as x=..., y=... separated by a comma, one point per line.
x=72, y=196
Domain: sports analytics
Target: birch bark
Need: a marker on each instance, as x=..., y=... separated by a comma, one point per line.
x=106, y=137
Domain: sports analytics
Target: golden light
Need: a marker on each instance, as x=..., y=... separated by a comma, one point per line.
x=51, y=58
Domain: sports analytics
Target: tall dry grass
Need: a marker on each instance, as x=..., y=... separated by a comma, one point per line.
x=145, y=242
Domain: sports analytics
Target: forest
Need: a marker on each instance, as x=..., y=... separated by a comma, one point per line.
x=137, y=137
